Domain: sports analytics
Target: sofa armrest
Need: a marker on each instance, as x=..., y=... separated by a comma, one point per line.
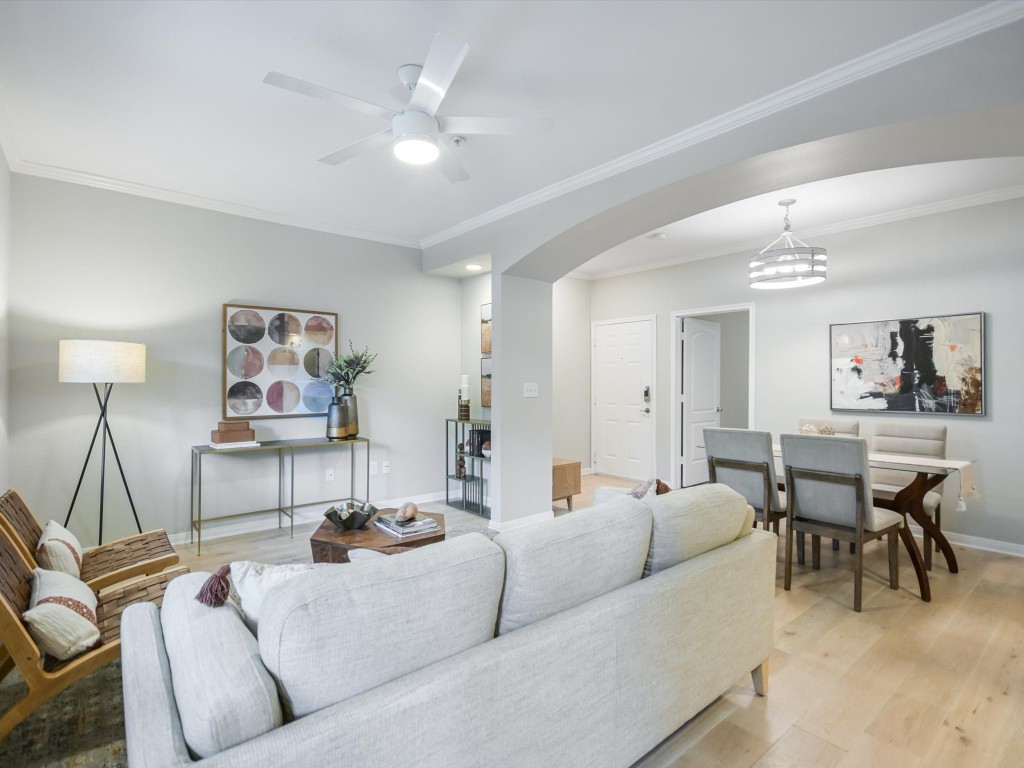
x=152, y=728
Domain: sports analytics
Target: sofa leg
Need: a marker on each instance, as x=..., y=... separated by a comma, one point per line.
x=760, y=677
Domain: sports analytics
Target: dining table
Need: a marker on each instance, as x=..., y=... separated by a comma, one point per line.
x=929, y=472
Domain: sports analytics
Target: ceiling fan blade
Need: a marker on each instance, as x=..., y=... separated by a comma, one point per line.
x=451, y=165
x=295, y=85
x=507, y=126
x=443, y=61
x=363, y=145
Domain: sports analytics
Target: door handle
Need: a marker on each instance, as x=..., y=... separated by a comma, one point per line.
x=719, y=409
x=645, y=410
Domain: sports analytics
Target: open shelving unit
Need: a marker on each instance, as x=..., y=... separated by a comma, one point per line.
x=473, y=485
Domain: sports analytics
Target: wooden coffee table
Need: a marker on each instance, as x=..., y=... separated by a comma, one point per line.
x=331, y=545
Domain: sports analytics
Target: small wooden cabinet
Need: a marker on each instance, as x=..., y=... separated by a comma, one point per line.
x=565, y=480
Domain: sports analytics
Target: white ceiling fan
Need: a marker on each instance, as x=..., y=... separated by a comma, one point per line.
x=414, y=131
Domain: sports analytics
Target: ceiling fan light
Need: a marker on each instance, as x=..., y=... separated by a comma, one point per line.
x=415, y=137
x=416, y=150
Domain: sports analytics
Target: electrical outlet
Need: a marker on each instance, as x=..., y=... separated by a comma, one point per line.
x=329, y=475
x=373, y=467
x=385, y=467
x=531, y=390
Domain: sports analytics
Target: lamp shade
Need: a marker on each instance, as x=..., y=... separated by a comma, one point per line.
x=96, y=362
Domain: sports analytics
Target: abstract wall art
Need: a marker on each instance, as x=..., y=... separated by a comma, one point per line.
x=917, y=365
x=272, y=358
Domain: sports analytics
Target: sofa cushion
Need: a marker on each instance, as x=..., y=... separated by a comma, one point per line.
x=328, y=635
x=560, y=563
x=225, y=695
x=694, y=520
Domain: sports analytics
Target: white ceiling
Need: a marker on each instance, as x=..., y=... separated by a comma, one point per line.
x=165, y=99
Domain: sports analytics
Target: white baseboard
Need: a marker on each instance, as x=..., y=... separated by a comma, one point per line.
x=307, y=513
x=522, y=521
x=976, y=542
x=587, y=471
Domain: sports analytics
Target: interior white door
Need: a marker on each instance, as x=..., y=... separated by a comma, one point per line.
x=701, y=398
x=623, y=420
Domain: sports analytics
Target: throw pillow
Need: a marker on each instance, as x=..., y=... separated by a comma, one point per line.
x=809, y=429
x=59, y=550
x=252, y=581
x=61, y=615
x=646, y=488
x=662, y=488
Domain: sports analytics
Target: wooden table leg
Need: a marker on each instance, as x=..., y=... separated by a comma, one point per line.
x=915, y=557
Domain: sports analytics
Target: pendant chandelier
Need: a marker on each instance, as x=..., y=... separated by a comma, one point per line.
x=788, y=262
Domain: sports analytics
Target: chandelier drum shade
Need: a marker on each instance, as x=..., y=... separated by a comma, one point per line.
x=788, y=262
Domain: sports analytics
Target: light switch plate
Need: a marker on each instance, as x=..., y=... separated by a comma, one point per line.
x=530, y=390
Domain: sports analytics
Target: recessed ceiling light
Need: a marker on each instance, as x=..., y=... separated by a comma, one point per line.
x=658, y=236
x=473, y=267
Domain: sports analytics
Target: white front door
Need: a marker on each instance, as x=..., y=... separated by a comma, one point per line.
x=623, y=386
x=700, y=398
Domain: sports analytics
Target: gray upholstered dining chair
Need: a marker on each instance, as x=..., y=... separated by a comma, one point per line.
x=829, y=489
x=742, y=459
x=839, y=426
x=904, y=439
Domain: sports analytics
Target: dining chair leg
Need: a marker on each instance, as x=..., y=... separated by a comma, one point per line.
x=775, y=527
x=858, y=577
x=835, y=545
x=787, y=577
x=894, y=561
x=816, y=552
x=800, y=547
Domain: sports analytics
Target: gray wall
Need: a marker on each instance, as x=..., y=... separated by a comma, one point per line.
x=5, y=262
x=734, y=367
x=570, y=386
x=964, y=261
x=97, y=264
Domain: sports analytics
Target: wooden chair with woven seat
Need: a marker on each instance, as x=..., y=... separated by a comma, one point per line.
x=144, y=554
x=46, y=677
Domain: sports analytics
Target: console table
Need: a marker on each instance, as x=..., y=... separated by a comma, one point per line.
x=285, y=474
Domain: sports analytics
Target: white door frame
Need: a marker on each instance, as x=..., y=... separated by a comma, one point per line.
x=653, y=319
x=674, y=382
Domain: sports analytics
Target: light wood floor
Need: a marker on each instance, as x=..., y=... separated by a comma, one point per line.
x=903, y=683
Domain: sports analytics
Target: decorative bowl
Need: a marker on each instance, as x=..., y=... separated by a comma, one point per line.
x=486, y=452
x=351, y=516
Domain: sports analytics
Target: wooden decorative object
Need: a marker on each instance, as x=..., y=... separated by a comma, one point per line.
x=329, y=545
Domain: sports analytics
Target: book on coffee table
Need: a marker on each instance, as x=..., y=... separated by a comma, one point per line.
x=419, y=524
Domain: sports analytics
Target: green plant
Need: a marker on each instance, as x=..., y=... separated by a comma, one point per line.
x=345, y=368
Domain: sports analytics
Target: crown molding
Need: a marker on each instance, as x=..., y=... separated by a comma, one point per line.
x=888, y=217
x=196, y=201
x=983, y=19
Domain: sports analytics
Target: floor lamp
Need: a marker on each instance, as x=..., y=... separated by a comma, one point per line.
x=107, y=363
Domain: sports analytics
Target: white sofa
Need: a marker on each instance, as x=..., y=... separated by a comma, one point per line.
x=582, y=641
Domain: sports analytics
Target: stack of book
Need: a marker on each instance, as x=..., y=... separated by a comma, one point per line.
x=419, y=524
x=233, y=434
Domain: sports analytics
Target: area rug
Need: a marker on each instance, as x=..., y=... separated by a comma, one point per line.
x=82, y=727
